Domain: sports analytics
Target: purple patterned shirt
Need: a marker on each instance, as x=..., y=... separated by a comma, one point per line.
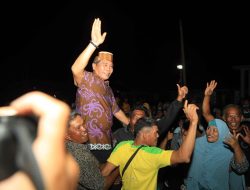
x=96, y=103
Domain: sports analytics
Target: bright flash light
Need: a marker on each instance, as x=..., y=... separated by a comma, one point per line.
x=179, y=66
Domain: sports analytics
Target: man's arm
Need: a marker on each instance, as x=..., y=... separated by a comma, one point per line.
x=81, y=62
x=163, y=144
x=111, y=177
x=107, y=169
x=239, y=158
x=206, y=101
x=120, y=115
x=183, y=154
x=173, y=110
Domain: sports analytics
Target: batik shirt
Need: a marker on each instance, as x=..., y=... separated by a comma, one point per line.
x=96, y=103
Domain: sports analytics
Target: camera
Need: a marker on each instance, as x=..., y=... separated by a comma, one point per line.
x=16, y=136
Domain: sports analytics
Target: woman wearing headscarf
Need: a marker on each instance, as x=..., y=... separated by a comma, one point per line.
x=216, y=155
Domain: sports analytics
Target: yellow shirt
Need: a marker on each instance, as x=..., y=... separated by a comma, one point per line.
x=142, y=172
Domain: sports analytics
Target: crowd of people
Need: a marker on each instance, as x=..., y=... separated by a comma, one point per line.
x=82, y=148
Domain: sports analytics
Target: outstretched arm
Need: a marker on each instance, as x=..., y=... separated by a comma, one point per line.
x=173, y=110
x=182, y=92
x=107, y=169
x=163, y=144
x=183, y=154
x=206, y=112
x=81, y=62
x=120, y=115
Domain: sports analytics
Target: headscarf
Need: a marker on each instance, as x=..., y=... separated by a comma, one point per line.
x=210, y=162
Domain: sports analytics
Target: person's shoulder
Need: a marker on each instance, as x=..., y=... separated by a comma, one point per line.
x=153, y=150
x=120, y=133
x=201, y=142
x=88, y=73
x=124, y=143
x=120, y=130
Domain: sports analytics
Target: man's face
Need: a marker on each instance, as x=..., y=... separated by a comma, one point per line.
x=103, y=69
x=212, y=134
x=77, y=131
x=233, y=119
x=152, y=136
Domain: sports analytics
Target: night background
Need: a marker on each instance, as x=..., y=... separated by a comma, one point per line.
x=40, y=41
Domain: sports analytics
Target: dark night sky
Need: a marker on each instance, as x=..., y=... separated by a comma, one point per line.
x=41, y=40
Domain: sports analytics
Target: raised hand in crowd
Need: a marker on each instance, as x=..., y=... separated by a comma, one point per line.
x=97, y=37
x=246, y=137
x=210, y=88
x=182, y=92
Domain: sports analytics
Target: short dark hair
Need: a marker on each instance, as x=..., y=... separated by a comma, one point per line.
x=231, y=106
x=140, y=107
x=143, y=122
x=72, y=116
